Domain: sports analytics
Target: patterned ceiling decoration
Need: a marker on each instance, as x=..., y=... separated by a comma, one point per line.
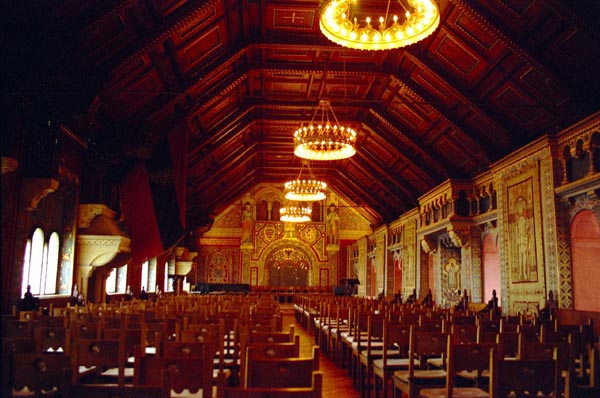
x=239, y=77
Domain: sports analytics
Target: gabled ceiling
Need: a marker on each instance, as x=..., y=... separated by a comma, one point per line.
x=239, y=76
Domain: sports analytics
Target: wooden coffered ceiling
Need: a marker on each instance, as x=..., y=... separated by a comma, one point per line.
x=239, y=76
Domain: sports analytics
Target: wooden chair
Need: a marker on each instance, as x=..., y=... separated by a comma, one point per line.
x=92, y=357
x=427, y=324
x=373, y=350
x=357, y=342
x=489, y=325
x=281, y=372
x=127, y=391
x=11, y=347
x=348, y=337
x=529, y=332
x=326, y=312
x=423, y=345
x=589, y=386
x=207, y=333
x=86, y=329
x=159, y=388
x=508, y=345
x=337, y=322
x=463, y=319
x=52, y=338
x=274, y=350
x=189, y=367
x=516, y=377
x=334, y=333
x=13, y=328
x=396, y=341
x=130, y=340
x=464, y=360
x=314, y=391
x=560, y=352
x=464, y=333
x=272, y=337
x=38, y=375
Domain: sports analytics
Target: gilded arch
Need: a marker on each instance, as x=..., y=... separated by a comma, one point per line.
x=288, y=251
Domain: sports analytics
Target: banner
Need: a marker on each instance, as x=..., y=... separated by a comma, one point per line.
x=153, y=200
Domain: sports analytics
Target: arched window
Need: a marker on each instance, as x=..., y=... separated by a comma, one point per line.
x=25, y=273
x=36, y=262
x=117, y=280
x=169, y=270
x=52, y=264
x=149, y=275
x=40, y=264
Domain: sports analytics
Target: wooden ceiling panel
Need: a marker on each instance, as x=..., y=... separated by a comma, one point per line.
x=280, y=88
x=575, y=55
x=414, y=177
x=470, y=29
x=519, y=106
x=519, y=15
x=241, y=76
x=348, y=58
x=458, y=58
x=213, y=111
x=202, y=47
x=293, y=19
x=167, y=7
x=437, y=89
x=488, y=131
x=112, y=32
x=544, y=86
x=203, y=17
x=134, y=95
x=201, y=91
x=379, y=150
x=455, y=151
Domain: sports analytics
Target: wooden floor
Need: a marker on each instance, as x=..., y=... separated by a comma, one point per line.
x=336, y=381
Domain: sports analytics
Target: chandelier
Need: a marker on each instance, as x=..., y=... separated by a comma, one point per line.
x=326, y=140
x=297, y=212
x=305, y=190
x=419, y=19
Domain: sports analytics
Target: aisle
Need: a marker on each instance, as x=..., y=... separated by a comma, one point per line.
x=336, y=382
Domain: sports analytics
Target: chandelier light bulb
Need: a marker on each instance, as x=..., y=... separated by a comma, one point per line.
x=295, y=213
x=336, y=25
x=324, y=141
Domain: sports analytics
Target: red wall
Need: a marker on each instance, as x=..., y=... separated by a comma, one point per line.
x=585, y=251
x=491, y=269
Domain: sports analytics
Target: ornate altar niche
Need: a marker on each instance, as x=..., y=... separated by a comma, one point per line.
x=287, y=266
x=248, y=244
x=290, y=255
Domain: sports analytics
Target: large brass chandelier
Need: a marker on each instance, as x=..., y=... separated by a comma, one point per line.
x=418, y=20
x=295, y=212
x=305, y=190
x=324, y=138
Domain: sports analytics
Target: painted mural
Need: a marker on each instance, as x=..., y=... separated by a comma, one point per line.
x=522, y=232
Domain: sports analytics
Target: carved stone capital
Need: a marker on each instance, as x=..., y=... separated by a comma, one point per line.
x=459, y=238
x=99, y=250
x=428, y=246
x=87, y=212
x=36, y=189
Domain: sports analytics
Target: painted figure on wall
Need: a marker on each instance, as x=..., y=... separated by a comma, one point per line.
x=333, y=224
x=398, y=273
x=218, y=268
x=452, y=269
x=522, y=233
x=246, y=238
x=523, y=230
